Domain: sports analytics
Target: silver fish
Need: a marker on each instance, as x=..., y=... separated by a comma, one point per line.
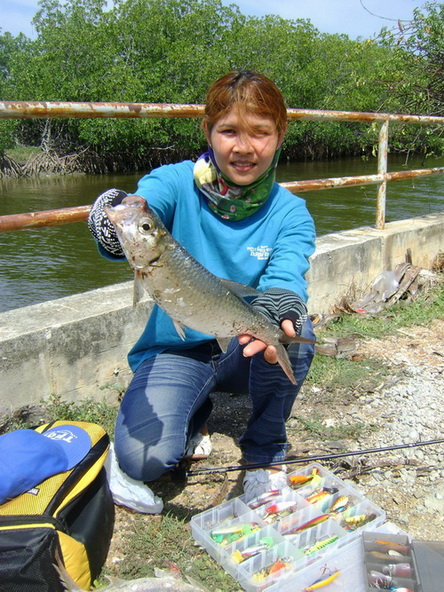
x=190, y=294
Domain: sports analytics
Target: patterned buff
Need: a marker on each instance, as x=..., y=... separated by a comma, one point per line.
x=227, y=200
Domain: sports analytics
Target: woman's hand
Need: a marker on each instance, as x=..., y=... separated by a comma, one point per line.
x=102, y=228
x=254, y=346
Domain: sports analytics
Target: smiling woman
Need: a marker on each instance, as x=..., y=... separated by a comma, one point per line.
x=237, y=173
x=224, y=210
x=244, y=147
x=245, y=122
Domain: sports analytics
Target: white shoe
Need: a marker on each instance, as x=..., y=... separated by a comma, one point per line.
x=199, y=447
x=127, y=491
x=260, y=481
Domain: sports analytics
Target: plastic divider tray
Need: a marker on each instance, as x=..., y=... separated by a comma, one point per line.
x=389, y=562
x=304, y=534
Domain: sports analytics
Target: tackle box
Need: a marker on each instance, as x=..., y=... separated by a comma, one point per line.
x=309, y=533
x=395, y=561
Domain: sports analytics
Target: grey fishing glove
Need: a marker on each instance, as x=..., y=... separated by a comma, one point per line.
x=101, y=227
x=278, y=304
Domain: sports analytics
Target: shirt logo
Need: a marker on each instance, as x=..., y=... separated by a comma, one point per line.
x=262, y=253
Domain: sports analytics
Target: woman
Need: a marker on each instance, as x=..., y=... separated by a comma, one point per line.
x=230, y=214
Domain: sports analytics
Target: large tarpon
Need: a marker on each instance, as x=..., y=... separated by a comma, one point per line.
x=190, y=294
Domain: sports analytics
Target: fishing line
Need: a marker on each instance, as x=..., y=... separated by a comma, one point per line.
x=307, y=459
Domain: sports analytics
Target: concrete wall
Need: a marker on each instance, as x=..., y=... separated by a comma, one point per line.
x=76, y=347
x=346, y=262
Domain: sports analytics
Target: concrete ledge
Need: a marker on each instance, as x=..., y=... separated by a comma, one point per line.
x=77, y=346
x=74, y=346
x=346, y=262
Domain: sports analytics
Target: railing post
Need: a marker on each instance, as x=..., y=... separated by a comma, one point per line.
x=382, y=170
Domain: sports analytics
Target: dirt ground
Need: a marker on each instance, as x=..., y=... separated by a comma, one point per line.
x=409, y=487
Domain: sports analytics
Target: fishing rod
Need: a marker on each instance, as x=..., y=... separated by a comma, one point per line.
x=307, y=459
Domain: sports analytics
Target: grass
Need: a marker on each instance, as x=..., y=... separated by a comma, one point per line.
x=426, y=308
x=154, y=541
x=21, y=154
x=100, y=412
x=161, y=541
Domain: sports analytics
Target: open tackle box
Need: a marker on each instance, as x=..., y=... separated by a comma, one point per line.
x=286, y=542
x=397, y=562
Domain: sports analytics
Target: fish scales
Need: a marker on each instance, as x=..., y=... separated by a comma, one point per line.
x=188, y=292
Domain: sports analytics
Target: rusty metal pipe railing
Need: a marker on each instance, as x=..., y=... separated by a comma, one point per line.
x=382, y=170
x=57, y=109
x=58, y=217
x=61, y=216
x=335, y=182
x=54, y=109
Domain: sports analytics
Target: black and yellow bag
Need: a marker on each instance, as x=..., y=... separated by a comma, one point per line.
x=69, y=515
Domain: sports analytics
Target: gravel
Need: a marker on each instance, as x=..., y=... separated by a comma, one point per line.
x=404, y=408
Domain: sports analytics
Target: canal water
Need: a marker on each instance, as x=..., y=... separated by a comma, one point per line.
x=47, y=263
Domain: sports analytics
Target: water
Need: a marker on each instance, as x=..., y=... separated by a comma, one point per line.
x=46, y=263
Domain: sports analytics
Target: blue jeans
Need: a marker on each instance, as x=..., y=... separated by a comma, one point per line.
x=168, y=401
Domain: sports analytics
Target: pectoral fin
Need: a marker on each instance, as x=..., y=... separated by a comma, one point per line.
x=180, y=329
x=138, y=290
x=241, y=290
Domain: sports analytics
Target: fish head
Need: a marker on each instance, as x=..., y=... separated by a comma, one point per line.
x=139, y=230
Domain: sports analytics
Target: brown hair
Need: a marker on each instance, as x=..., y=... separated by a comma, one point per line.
x=247, y=91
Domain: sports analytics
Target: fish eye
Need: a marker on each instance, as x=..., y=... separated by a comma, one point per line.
x=145, y=226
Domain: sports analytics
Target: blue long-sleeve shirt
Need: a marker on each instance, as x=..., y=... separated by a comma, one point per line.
x=269, y=249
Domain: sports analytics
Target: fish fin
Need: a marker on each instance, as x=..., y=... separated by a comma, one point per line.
x=286, y=339
x=284, y=362
x=240, y=290
x=223, y=343
x=180, y=329
x=138, y=290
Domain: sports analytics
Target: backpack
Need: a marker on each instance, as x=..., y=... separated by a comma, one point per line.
x=67, y=518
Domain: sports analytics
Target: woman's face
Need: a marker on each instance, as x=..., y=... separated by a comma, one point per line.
x=244, y=146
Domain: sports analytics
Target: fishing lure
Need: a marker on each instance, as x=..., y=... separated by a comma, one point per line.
x=340, y=504
x=280, y=508
x=404, y=570
x=300, y=480
x=356, y=521
x=396, y=547
x=313, y=522
x=377, y=579
x=318, y=496
x=263, y=499
x=386, y=556
x=239, y=556
x=320, y=545
x=224, y=535
x=327, y=577
x=272, y=569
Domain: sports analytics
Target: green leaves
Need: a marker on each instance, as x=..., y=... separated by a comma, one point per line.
x=170, y=51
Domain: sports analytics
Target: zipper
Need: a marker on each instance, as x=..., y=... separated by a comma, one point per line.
x=31, y=519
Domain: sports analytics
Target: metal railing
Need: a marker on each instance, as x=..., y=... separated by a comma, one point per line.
x=31, y=110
